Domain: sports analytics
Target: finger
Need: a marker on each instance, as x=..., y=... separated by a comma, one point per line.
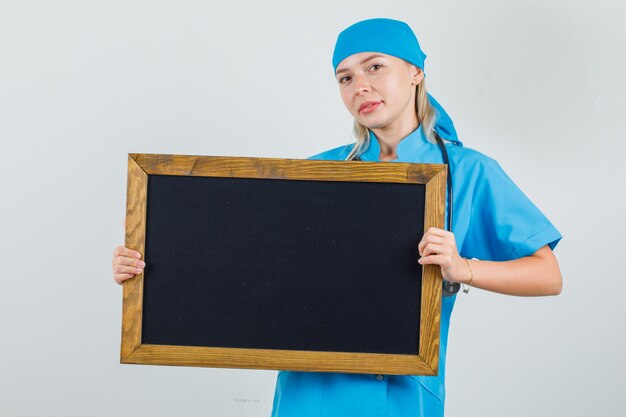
x=431, y=260
x=436, y=248
x=124, y=251
x=123, y=269
x=120, y=278
x=122, y=260
x=433, y=232
x=429, y=239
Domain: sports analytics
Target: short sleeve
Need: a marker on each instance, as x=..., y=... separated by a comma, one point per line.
x=504, y=224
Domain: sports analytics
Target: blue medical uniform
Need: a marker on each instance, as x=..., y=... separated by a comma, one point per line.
x=493, y=220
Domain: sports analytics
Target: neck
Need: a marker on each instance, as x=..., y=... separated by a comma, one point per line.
x=390, y=136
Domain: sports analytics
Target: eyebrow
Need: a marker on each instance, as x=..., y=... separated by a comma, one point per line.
x=360, y=63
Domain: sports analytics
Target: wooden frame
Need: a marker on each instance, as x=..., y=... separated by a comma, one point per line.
x=141, y=166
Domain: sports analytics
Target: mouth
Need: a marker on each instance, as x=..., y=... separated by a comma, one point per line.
x=369, y=106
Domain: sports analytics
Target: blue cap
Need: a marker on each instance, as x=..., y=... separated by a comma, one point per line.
x=391, y=37
x=388, y=36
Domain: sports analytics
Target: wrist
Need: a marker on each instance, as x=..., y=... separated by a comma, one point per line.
x=467, y=284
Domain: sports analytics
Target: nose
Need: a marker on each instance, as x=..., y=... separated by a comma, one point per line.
x=361, y=85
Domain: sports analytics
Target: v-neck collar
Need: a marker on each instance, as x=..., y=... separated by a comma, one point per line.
x=406, y=151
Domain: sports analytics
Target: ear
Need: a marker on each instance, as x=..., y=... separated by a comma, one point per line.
x=417, y=75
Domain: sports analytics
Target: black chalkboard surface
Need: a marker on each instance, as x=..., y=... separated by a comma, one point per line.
x=281, y=264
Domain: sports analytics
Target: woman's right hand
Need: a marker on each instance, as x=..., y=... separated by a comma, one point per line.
x=126, y=264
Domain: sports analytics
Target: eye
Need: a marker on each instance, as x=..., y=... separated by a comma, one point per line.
x=341, y=80
x=376, y=66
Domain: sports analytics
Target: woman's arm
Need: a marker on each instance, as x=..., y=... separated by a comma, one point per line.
x=533, y=275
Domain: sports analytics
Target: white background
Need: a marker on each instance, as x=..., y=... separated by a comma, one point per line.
x=537, y=85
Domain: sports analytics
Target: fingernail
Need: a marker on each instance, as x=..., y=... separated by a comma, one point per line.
x=137, y=255
x=138, y=270
x=142, y=263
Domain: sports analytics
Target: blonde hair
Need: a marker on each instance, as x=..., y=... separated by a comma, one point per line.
x=426, y=116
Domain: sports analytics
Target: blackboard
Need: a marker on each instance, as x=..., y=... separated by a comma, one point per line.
x=282, y=264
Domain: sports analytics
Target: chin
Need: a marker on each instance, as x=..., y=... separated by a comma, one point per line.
x=369, y=123
x=373, y=124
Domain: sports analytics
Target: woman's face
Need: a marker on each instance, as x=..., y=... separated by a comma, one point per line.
x=378, y=89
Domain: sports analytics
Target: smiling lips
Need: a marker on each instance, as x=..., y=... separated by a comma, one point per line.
x=369, y=106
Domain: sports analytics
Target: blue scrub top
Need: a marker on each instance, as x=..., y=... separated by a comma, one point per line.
x=493, y=220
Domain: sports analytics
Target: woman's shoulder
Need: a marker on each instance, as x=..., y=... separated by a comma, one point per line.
x=469, y=154
x=471, y=159
x=339, y=153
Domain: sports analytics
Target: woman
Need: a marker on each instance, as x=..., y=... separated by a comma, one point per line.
x=499, y=241
x=379, y=67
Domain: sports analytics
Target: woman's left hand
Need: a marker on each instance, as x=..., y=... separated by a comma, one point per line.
x=439, y=247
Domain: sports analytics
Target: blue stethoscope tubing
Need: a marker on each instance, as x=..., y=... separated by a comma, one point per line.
x=449, y=288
